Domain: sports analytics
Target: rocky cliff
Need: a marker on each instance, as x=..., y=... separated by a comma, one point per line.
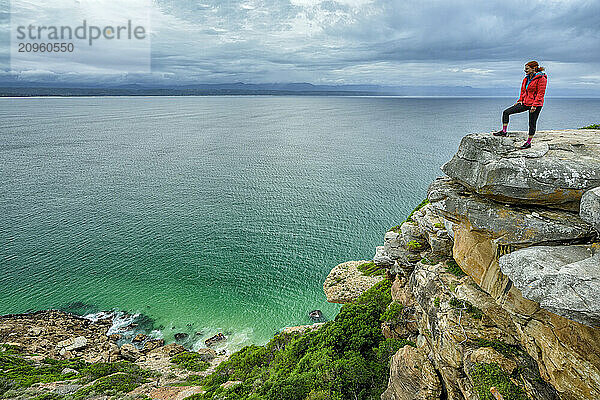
x=497, y=274
x=495, y=282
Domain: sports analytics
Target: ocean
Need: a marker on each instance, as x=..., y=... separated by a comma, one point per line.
x=212, y=214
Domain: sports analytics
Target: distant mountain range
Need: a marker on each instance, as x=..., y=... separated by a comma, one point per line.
x=17, y=88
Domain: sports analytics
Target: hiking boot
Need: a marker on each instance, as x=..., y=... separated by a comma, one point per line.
x=525, y=146
x=500, y=133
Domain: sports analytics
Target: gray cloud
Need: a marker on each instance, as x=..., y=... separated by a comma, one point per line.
x=481, y=44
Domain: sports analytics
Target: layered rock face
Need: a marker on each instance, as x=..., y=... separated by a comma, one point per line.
x=499, y=275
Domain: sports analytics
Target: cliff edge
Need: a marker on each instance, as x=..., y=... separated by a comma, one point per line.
x=497, y=274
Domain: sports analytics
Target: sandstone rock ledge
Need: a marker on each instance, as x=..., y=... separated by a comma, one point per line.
x=555, y=172
x=501, y=270
x=345, y=282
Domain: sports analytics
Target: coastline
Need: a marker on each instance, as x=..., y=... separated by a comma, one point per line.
x=468, y=296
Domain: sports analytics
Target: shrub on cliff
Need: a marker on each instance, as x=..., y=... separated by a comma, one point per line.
x=17, y=372
x=346, y=358
x=111, y=385
x=370, y=269
x=191, y=361
x=486, y=376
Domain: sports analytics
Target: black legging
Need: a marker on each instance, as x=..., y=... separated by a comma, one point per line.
x=517, y=108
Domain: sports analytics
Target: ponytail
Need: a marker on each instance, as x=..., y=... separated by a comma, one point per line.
x=536, y=67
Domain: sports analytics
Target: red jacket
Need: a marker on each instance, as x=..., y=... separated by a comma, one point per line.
x=533, y=95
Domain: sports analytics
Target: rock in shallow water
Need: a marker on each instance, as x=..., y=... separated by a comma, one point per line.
x=181, y=336
x=565, y=280
x=555, y=172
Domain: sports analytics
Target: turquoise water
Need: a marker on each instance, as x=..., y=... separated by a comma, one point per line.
x=209, y=214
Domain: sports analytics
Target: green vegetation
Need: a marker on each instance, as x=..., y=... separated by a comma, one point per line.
x=49, y=396
x=370, y=269
x=453, y=268
x=191, y=380
x=99, y=370
x=438, y=225
x=19, y=373
x=111, y=385
x=346, y=358
x=473, y=311
x=393, y=312
x=335, y=281
x=593, y=126
x=191, y=361
x=436, y=302
x=506, y=349
x=413, y=245
x=486, y=376
x=452, y=287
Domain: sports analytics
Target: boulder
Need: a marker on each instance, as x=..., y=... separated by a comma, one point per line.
x=171, y=349
x=153, y=344
x=590, y=208
x=441, y=243
x=219, y=337
x=114, y=353
x=411, y=232
x=66, y=371
x=345, y=282
x=555, y=171
x=207, y=354
x=565, y=280
x=382, y=258
x=72, y=344
x=129, y=352
x=316, y=315
x=115, y=337
x=393, y=247
x=434, y=229
x=453, y=333
x=567, y=352
x=139, y=338
x=181, y=336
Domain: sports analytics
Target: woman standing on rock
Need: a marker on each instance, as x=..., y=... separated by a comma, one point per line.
x=533, y=89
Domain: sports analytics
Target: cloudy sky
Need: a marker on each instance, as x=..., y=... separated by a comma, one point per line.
x=387, y=42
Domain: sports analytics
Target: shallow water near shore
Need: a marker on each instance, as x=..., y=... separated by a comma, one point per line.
x=217, y=214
